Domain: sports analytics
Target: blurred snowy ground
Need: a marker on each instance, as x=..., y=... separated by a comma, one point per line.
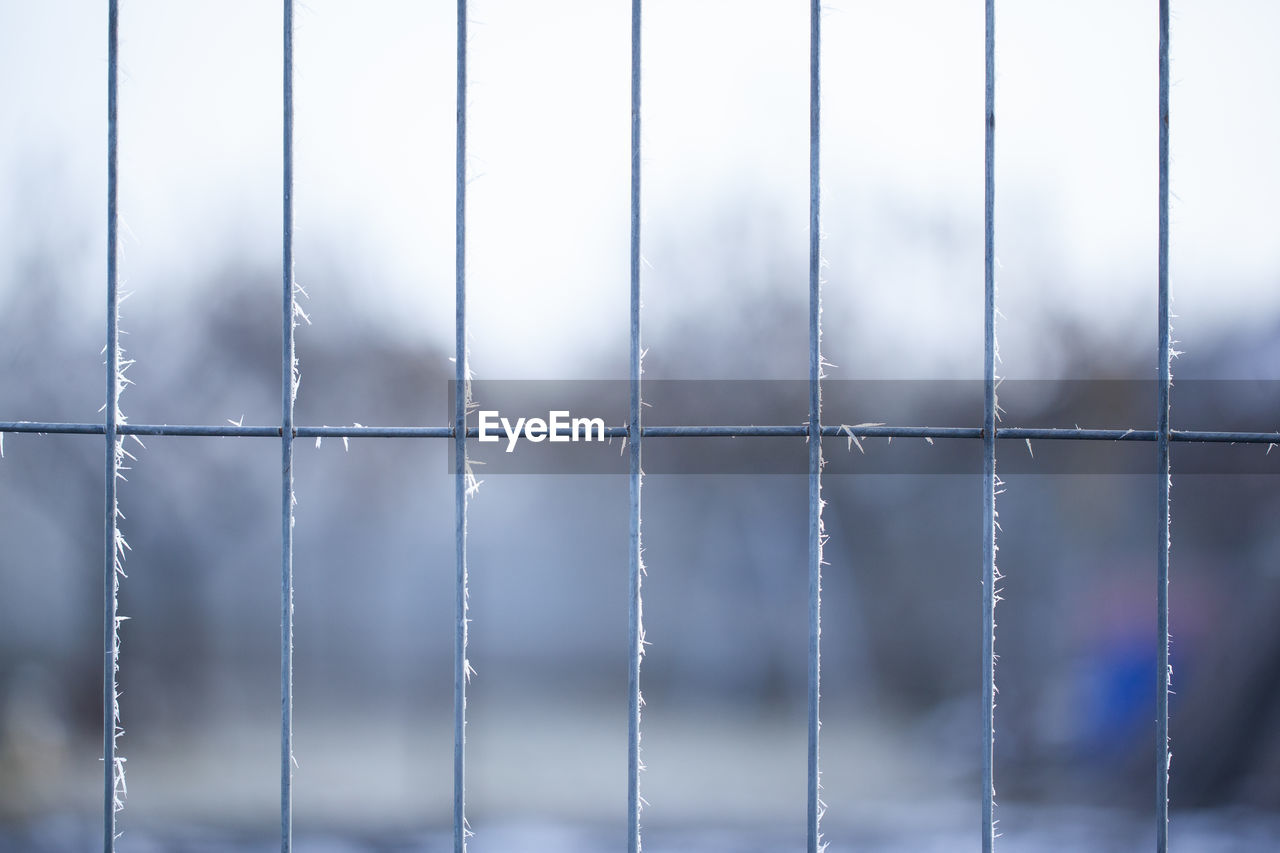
x=553, y=781
x=918, y=831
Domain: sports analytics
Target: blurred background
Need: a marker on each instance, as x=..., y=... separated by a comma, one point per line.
x=725, y=288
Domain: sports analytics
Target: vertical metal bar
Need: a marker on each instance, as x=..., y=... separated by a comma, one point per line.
x=989, y=454
x=287, y=389
x=635, y=626
x=110, y=581
x=1162, y=452
x=460, y=449
x=815, y=424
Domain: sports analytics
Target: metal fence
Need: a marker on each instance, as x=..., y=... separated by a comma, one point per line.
x=116, y=430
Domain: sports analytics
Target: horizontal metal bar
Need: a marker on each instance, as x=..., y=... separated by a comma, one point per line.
x=36, y=426
x=1078, y=434
x=1224, y=437
x=229, y=430
x=712, y=431
x=372, y=432
x=902, y=432
x=799, y=430
x=1183, y=435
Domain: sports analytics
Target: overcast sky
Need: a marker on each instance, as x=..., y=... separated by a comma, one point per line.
x=725, y=136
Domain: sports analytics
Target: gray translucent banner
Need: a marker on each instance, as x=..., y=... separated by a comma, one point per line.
x=584, y=409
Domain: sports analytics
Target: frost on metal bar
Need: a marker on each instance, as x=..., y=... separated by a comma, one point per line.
x=464, y=484
x=989, y=573
x=1163, y=480
x=635, y=614
x=699, y=431
x=288, y=392
x=113, y=782
x=816, y=535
